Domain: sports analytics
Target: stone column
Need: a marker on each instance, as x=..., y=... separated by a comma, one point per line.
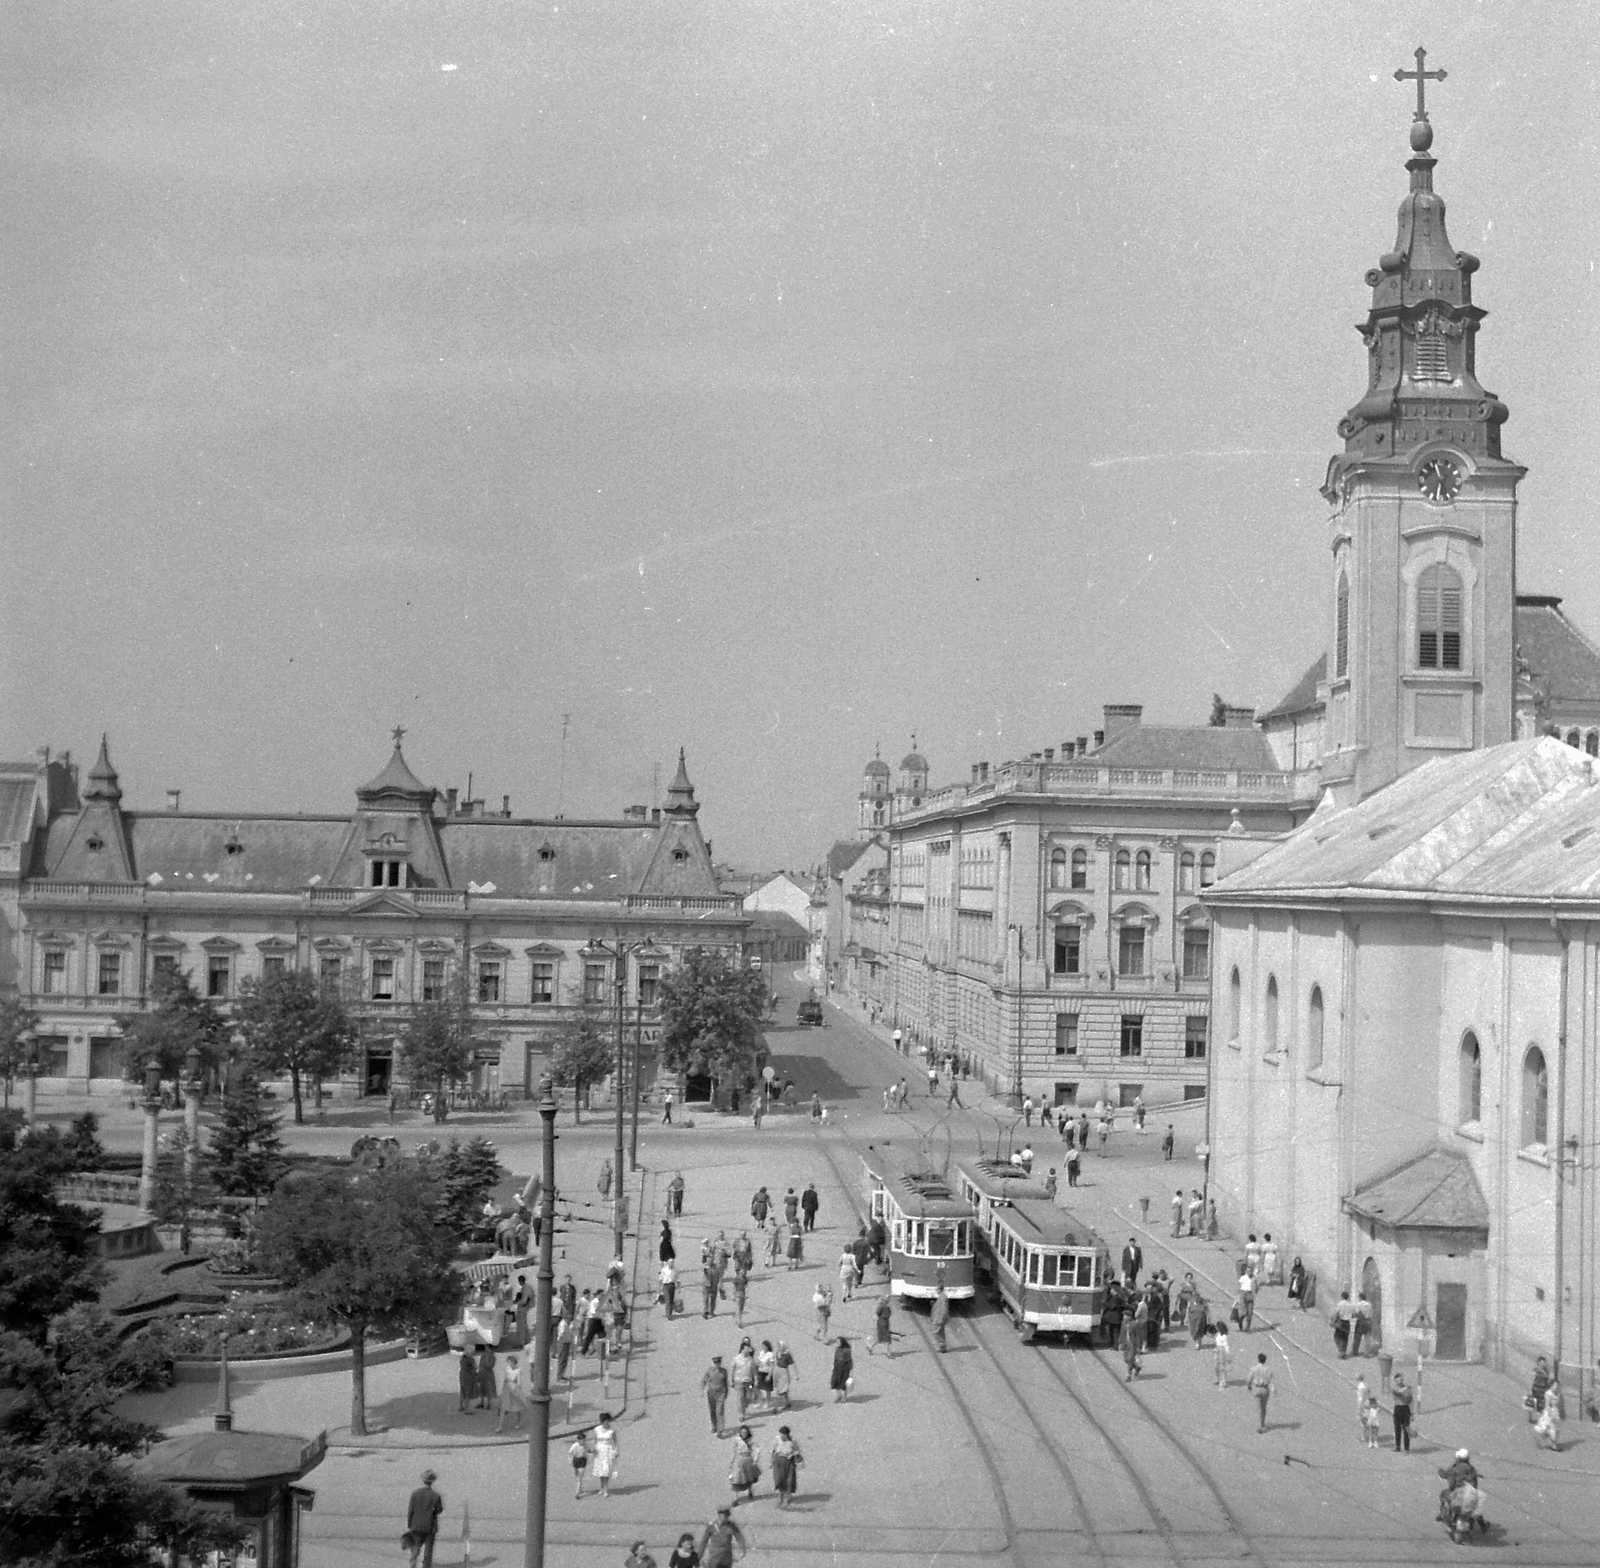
x=191, y=1111
x=30, y=1092
x=152, y=1113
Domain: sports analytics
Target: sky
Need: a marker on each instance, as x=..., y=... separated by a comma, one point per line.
x=771, y=379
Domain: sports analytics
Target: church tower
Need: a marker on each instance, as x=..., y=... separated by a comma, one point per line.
x=1422, y=580
x=873, y=803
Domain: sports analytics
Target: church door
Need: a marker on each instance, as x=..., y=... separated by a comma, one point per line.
x=1372, y=1285
x=1450, y=1312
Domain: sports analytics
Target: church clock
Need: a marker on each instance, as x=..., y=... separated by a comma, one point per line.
x=1439, y=479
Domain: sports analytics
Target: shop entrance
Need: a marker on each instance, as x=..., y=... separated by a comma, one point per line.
x=380, y=1071
x=696, y=1086
x=1372, y=1288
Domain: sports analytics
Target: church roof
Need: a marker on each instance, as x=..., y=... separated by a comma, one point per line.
x=1511, y=822
x=914, y=761
x=1436, y=1190
x=1301, y=696
x=396, y=779
x=877, y=768
x=1206, y=747
x=1562, y=662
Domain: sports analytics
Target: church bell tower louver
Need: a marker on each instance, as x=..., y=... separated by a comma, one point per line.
x=1423, y=574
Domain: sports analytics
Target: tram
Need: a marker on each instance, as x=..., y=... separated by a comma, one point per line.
x=990, y=1184
x=930, y=1229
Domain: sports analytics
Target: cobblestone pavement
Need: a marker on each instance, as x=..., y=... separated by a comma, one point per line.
x=997, y=1453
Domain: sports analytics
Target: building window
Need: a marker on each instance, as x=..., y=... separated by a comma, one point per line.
x=1208, y=869
x=55, y=972
x=110, y=978
x=219, y=976
x=1471, y=1078
x=1314, y=1027
x=1196, y=952
x=1058, y=868
x=330, y=969
x=1066, y=1034
x=1186, y=871
x=1535, y=1099
x=1269, y=1016
x=1130, y=950
x=1066, y=1094
x=1080, y=868
x=432, y=979
x=1235, y=999
x=1132, y=1035
x=273, y=966
x=1196, y=1032
x=165, y=964
x=1341, y=629
x=382, y=979
x=1068, y=950
x=544, y=983
x=649, y=984
x=1141, y=869
x=388, y=873
x=1439, y=619
x=489, y=980
x=1123, y=866
x=594, y=983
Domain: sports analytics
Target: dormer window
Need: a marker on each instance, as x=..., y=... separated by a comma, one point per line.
x=96, y=843
x=546, y=852
x=680, y=855
x=234, y=847
x=388, y=873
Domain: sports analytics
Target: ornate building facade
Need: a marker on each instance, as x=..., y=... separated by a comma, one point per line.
x=403, y=900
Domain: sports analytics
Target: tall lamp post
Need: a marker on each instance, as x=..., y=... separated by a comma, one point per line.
x=191, y=1108
x=539, y=1413
x=620, y=951
x=152, y=1111
x=30, y=1081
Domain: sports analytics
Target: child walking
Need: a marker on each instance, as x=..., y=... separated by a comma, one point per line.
x=579, y=1455
x=1223, y=1358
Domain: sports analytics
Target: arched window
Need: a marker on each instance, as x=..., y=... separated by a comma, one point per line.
x=1080, y=868
x=1439, y=619
x=1574, y=740
x=1058, y=868
x=1471, y=1062
x=1141, y=869
x=1535, y=1098
x=1124, y=861
x=1341, y=629
x=1208, y=869
x=1591, y=743
x=1269, y=1016
x=1235, y=998
x=1068, y=949
x=1314, y=1024
x=1186, y=871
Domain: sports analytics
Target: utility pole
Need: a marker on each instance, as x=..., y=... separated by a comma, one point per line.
x=539, y=1414
x=1016, y=1083
x=638, y=1035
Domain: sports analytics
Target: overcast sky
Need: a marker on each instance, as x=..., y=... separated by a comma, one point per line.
x=767, y=378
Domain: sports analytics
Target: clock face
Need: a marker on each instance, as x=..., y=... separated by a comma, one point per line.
x=1439, y=479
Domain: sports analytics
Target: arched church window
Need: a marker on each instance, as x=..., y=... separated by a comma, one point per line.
x=1123, y=865
x=1186, y=872
x=1080, y=868
x=1341, y=629
x=1439, y=619
x=1141, y=869
x=1269, y=1017
x=1314, y=1026
x=1208, y=869
x=1574, y=740
x=1471, y=1064
x=1591, y=743
x=1058, y=868
x=1535, y=1098
x=1235, y=998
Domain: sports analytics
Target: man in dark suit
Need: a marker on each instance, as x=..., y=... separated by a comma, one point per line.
x=1132, y=1262
x=422, y=1520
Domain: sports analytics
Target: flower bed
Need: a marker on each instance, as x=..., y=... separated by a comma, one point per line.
x=252, y=1331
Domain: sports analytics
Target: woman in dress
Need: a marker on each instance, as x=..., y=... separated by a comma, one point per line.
x=786, y=1462
x=1224, y=1353
x=847, y=1274
x=684, y=1554
x=1252, y=1257
x=1297, y=1283
x=766, y=1366
x=844, y=1366
x=882, y=1334
x=666, y=1250
x=513, y=1402
x=1134, y=1329
x=488, y=1386
x=796, y=1248
x=467, y=1374
x=605, y=1452
x=743, y=1471
x=1271, y=1261
x=782, y=1375
x=1547, y=1430
x=775, y=1244
x=822, y=1304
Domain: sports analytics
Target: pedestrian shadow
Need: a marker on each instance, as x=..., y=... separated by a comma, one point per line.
x=638, y=1486
x=1283, y=1426
x=433, y=1412
x=809, y=1502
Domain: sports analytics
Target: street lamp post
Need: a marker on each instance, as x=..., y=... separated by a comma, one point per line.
x=191, y=1108
x=620, y=950
x=1016, y=1081
x=152, y=1110
x=638, y=1037
x=539, y=1413
x=30, y=1082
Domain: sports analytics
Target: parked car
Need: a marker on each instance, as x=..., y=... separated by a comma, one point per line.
x=809, y=1011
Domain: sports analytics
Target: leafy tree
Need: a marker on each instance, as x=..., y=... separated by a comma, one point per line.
x=49, y=1251
x=466, y=1174
x=364, y=1249
x=437, y=1047
x=1219, y=713
x=710, y=1008
x=67, y=1495
x=292, y=1023
x=17, y=1024
x=183, y=1187
x=178, y=1019
x=583, y=1056
x=243, y=1159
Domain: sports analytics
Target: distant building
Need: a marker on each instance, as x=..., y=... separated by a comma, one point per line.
x=781, y=893
x=397, y=902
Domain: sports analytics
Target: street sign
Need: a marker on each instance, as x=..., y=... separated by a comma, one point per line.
x=769, y=1073
x=1420, y=1320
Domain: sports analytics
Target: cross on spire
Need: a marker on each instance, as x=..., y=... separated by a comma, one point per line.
x=399, y=733
x=1420, y=76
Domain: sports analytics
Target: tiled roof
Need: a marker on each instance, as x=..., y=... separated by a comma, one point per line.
x=1188, y=746
x=396, y=779
x=1563, y=663
x=1302, y=695
x=275, y=854
x=16, y=803
x=1520, y=820
x=1436, y=1190
x=588, y=859
x=778, y=923
x=845, y=853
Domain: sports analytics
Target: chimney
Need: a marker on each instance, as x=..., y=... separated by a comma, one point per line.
x=1238, y=718
x=974, y=772
x=983, y=772
x=1120, y=717
x=655, y=813
x=1049, y=754
x=1083, y=745
x=1099, y=739
x=173, y=796
x=450, y=801
x=505, y=805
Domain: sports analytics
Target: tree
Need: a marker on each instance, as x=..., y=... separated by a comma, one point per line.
x=17, y=1024
x=583, y=1056
x=711, y=1009
x=364, y=1249
x=437, y=1047
x=49, y=1251
x=1219, y=713
x=67, y=1495
x=466, y=1174
x=292, y=1023
x=243, y=1158
x=180, y=1018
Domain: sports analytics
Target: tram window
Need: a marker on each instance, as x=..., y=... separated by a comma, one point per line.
x=963, y=1242
x=899, y=1235
x=941, y=1241
x=1033, y=1268
x=1049, y=1265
